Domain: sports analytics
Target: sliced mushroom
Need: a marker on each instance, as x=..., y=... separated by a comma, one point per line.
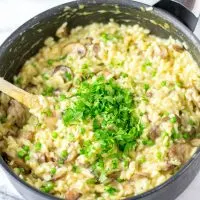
x=138, y=175
x=72, y=195
x=178, y=48
x=96, y=49
x=87, y=41
x=161, y=51
x=17, y=162
x=75, y=48
x=195, y=142
x=62, y=69
x=180, y=152
x=16, y=113
x=29, y=136
x=154, y=132
x=149, y=94
x=59, y=176
x=168, y=167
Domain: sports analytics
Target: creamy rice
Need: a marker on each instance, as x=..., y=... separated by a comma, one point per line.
x=69, y=160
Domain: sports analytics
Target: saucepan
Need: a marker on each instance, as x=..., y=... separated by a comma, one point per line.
x=165, y=18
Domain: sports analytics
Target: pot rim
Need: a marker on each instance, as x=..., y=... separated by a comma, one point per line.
x=158, y=12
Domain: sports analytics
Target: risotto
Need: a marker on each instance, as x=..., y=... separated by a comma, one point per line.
x=127, y=110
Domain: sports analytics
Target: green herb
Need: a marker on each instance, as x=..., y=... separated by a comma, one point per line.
x=53, y=171
x=91, y=181
x=115, y=163
x=21, y=153
x=18, y=80
x=142, y=160
x=159, y=155
x=75, y=169
x=124, y=75
x=111, y=190
x=119, y=180
x=3, y=119
x=26, y=158
x=26, y=148
x=50, y=62
x=83, y=130
x=68, y=76
x=154, y=73
x=54, y=135
x=61, y=161
x=148, y=142
x=47, y=112
x=111, y=37
x=175, y=135
x=47, y=187
x=186, y=136
x=146, y=87
x=111, y=108
x=179, y=84
x=64, y=154
x=48, y=91
x=191, y=122
x=45, y=76
x=62, y=97
x=38, y=146
x=33, y=65
x=163, y=83
x=146, y=64
x=173, y=120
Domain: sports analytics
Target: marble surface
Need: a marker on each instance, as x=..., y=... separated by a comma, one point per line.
x=13, y=13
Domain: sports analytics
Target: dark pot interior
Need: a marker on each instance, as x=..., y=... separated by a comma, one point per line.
x=29, y=38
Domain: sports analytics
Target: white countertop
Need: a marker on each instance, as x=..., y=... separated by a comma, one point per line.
x=13, y=13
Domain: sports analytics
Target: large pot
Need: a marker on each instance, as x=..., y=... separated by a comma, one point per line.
x=27, y=40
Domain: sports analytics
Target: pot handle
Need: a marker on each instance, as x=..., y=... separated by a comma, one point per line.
x=187, y=11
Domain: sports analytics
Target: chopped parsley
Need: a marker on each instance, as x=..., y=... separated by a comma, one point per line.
x=116, y=125
x=111, y=37
x=146, y=64
x=111, y=190
x=54, y=135
x=53, y=171
x=146, y=87
x=163, y=83
x=173, y=120
x=68, y=76
x=38, y=146
x=48, y=91
x=3, y=119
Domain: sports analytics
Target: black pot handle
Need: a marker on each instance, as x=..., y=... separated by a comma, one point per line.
x=184, y=11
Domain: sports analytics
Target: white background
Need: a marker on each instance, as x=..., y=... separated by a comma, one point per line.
x=13, y=13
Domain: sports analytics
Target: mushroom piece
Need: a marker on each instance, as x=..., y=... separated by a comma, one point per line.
x=17, y=162
x=161, y=51
x=72, y=195
x=195, y=142
x=75, y=48
x=59, y=176
x=96, y=49
x=154, y=132
x=180, y=152
x=178, y=48
x=16, y=113
x=62, y=69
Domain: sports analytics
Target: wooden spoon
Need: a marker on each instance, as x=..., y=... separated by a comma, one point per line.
x=25, y=98
x=29, y=100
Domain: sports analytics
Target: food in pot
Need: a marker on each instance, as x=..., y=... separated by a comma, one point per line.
x=127, y=110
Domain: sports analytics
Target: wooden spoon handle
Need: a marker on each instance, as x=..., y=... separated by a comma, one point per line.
x=27, y=99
